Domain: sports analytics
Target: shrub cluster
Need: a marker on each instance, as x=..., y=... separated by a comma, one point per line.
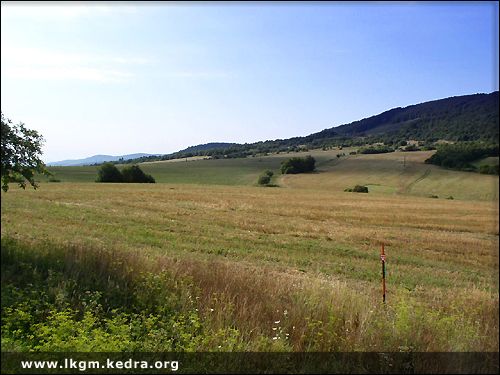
x=135, y=174
x=108, y=172
x=375, y=150
x=358, y=189
x=460, y=155
x=265, y=178
x=411, y=148
x=488, y=169
x=298, y=165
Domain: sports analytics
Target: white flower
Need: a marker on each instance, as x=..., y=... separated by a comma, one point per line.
x=277, y=322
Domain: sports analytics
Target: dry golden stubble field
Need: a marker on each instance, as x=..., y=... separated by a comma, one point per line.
x=257, y=252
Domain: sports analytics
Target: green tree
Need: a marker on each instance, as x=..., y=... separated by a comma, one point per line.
x=109, y=173
x=21, y=149
x=135, y=174
x=264, y=179
x=298, y=165
x=268, y=172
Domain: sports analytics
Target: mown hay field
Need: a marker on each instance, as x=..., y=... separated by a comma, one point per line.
x=262, y=269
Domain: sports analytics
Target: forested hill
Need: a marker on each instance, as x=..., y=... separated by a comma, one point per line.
x=459, y=118
x=208, y=146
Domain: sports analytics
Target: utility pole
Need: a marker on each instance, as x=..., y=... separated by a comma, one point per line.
x=382, y=258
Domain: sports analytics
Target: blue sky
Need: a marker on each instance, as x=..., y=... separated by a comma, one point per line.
x=111, y=78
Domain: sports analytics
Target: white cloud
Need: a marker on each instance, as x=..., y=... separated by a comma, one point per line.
x=67, y=73
x=199, y=74
x=60, y=11
x=36, y=63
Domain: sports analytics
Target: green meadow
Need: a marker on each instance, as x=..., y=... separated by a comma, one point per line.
x=397, y=173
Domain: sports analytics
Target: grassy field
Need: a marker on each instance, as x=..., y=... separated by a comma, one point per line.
x=254, y=268
x=210, y=172
x=207, y=261
x=398, y=173
x=241, y=171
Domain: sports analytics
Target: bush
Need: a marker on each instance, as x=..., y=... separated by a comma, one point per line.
x=375, y=150
x=360, y=189
x=411, y=148
x=264, y=179
x=459, y=155
x=488, y=169
x=298, y=165
x=427, y=148
x=269, y=173
x=136, y=175
x=357, y=189
x=109, y=173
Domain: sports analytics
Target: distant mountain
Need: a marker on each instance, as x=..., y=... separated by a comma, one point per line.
x=97, y=159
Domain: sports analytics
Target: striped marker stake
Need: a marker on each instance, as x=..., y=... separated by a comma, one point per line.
x=382, y=258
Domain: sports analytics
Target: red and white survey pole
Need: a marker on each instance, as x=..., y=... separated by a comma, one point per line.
x=382, y=258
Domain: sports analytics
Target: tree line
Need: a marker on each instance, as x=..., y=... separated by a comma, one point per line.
x=108, y=172
x=461, y=155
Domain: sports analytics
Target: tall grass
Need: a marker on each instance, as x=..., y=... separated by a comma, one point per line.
x=60, y=297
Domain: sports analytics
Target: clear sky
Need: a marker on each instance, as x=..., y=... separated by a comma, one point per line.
x=119, y=78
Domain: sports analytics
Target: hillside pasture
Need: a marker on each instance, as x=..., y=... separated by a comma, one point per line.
x=240, y=171
x=396, y=173
x=399, y=173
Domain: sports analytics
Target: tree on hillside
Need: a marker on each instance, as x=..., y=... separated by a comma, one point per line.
x=21, y=149
x=109, y=173
x=298, y=165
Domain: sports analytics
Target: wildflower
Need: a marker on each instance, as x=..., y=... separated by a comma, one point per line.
x=211, y=310
x=277, y=322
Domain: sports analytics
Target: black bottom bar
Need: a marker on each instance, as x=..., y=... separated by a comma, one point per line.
x=258, y=363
